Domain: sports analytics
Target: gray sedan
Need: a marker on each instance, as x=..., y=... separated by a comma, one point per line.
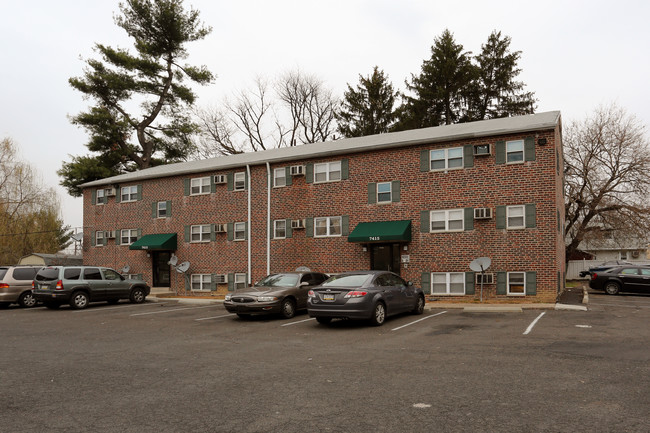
x=371, y=295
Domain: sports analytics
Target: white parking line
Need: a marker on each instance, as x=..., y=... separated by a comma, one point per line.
x=119, y=307
x=300, y=321
x=173, y=309
x=419, y=320
x=532, y=325
x=597, y=304
x=214, y=317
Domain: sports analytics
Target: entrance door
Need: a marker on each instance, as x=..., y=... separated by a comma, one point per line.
x=161, y=268
x=385, y=257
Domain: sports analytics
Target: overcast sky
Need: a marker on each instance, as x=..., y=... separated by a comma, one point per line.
x=576, y=55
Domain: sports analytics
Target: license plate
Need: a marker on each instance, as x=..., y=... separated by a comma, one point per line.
x=328, y=297
x=44, y=286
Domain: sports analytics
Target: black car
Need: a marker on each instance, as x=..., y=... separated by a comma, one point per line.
x=628, y=278
x=370, y=295
x=604, y=266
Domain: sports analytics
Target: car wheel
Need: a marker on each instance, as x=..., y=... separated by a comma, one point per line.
x=79, y=300
x=612, y=288
x=27, y=300
x=137, y=295
x=324, y=320
x=419, y=305
x=378, y=314
x=288, y=308
x=243, y=316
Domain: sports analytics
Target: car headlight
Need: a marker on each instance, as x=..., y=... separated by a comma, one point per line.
x=228, y=297
x=266, y=298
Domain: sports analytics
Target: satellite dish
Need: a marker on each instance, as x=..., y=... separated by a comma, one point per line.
x=480, y=264
x=303, y=269
x=77, y=237
x=183, y=267
x=173, y=260
x=126, y=269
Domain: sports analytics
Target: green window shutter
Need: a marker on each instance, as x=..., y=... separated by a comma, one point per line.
x=213, y=233
x=558, y=221
x=287, y=176
x=186, y=186
x=469, y=218
x=139, y=233
x=529, y=149
x=188, y=234
x=559, y=287
x=468, y=155
x=345, y=225
x=395, y=187
x=531, y=283
x=93, y=238
x=288, y=229
x=230, y=180
x=530, y=216
x=105, y=239
x=138, y=194
x=118, y=195
x=501, y=217
x=500, y=152
x=345, y=169
x=309, y=173
x=309, y=227
x=154, y=209
x=213, y=186
x=426, y=283
x=469, y=283
x=230, y=229
x=93, y=196
x=118, y=236
x=425, y=225
x=213, y=282
x=372, y=193
x=231, y=282
x=502, y=279
x=187, y=284
x=425, y=160
x=169, y=208
x=246, y=230
x=246, y=180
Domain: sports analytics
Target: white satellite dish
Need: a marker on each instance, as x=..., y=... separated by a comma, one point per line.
x=303, y=269
x=126, y=269
x=481, y=264
x=77, y=237
x=173, y=260
x=183, y=267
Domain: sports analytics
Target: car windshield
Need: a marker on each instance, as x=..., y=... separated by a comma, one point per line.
x=347, y=280
x=47, y=274
x=278, y=280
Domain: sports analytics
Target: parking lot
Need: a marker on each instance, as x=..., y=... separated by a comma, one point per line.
x=165, y=366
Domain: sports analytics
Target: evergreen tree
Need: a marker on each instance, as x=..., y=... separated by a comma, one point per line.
x=153, y=79
x=368, y=109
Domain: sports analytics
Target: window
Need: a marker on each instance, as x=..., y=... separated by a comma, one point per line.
x=240, y=231
x=280, y=177
x=327, y=226
x=516, y=283
x=201, y=282
x=128, y=236
x=280, y=229
x=384, y=192
x=515, y=151
x=200, y=233
x=645, y=271
x=448, y=283
x=240, y=181
x=99, y=238
x=515, y=217
x=623, y=255
x=327, y=172
x=111, y=275
x=101, y=196
x=200, y=185
x=240, y=281
x=24, y=274
x=92, y=274
x=161, y=209
x=447, y=220
x=71, y=273
x=129, y=193
x=447, y=159
x=629, y=271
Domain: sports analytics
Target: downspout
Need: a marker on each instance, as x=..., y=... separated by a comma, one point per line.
x=268, y=219
x=248, y=176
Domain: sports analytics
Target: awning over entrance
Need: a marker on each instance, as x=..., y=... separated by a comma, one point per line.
x=158, y=241
x=382, y=231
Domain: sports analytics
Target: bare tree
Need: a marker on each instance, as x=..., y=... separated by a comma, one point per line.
x=607, y=177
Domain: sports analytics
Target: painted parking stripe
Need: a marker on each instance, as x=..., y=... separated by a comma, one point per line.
x=532, y=325
x=300, y=321
x=120, y=307
x=419, y=320
x=214, y=317
x=173, y=309
x=618, y=305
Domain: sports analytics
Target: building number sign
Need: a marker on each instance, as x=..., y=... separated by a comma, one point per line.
x=375, y=238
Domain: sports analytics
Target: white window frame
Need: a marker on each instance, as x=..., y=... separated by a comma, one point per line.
x=240, y=281
x=101, y=195
x=329, y=169
x=445, y=157
x=130, y=192
x=202, y=184
x=329, y=226
x=277, y=229
x=448, y=283
x=239, y=181
x=99, y=238
x=203, y=232
x=434, y=216
x=204, y=282
x=510, y=293
x=158, y=215
x=239, y=231
x=131, y=236
x=515, y=152
x=509, y=210
x=622, y=255
x=281, y=179
x=389, y=192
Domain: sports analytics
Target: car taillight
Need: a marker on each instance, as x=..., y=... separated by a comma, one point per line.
x=4, y=286
x=355, y=294
x=59, y=285
x=311, y=294
x=33, y=285
x=594, y=275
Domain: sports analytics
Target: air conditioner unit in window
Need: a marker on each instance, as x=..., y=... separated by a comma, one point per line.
x=220, y=178
x=111, y=192
x=297, y=224
x=487, y=278
x=482, y=213
x=221, y=279
x=220, y=228
x=482, y=149
x=297, y=170
x=111, y=234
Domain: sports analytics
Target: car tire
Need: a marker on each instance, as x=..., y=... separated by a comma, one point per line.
x=324, y=320
x=52, y=305
x=419, y=306
x=612, y=288
x=137, y=295
x=288, y=308
x=79, y=300
x=27, y=300
x=378, y=314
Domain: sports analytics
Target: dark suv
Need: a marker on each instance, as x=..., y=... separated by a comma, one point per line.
x=80, y=285
x=16, y=285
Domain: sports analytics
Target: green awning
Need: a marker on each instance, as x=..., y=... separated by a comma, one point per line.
x=382, y=231
x=159, y=241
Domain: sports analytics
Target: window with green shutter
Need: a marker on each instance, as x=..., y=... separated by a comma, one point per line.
x=426, y=283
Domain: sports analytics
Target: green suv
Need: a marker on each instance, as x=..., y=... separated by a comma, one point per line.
x=80, y=285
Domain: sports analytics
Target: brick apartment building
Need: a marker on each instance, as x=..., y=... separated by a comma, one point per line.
x=423, y=203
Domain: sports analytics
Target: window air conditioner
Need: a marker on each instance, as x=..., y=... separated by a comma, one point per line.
x=297, y=224
x=221, y=279
x=220, y=178
x=111, y=192
x=482, y=213
x=487, y=278
x=220, y=228
x=297, y=170
x=112, y=234
x=482, y=149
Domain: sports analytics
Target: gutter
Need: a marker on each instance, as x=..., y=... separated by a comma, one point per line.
x=268, y=219
x=248, y=226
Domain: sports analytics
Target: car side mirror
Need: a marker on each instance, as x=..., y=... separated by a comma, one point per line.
x=410, y=283
x=304, y=283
